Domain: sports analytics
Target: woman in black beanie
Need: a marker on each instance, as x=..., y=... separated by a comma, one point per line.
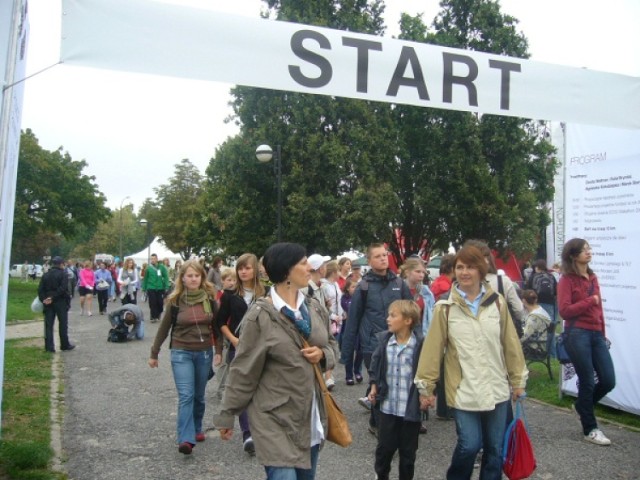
x=272, y=375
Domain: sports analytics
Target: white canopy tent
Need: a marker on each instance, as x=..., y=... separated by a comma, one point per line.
x=159, y=248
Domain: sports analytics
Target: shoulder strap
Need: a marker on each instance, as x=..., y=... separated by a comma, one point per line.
x=364, y=291
x=500, y=286
x=174, y=318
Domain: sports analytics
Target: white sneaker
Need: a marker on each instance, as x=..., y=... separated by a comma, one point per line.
x=248, y=446
x=596, y=436
x=330, y=383
x=364, y=402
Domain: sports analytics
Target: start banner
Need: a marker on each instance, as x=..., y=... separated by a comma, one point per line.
x=153, y=37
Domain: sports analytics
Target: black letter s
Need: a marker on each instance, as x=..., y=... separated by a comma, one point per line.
x=319, y=61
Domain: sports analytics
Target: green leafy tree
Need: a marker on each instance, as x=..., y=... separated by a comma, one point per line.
x=461, y=175
x=178, y=210
x=54, y=199
x=335, y=152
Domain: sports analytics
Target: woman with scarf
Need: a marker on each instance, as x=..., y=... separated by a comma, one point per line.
x=272, y=375
x=188, y=319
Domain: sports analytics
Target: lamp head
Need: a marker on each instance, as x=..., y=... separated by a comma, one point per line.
x=264, y=153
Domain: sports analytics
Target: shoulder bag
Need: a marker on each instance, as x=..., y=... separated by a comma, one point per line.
x=338, y=426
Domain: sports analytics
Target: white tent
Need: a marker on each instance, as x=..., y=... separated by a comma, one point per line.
x=159, y=248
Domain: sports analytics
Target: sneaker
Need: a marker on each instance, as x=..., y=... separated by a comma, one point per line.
x=596, y=436
x=68, y=348
x=350, y=382
x=364, y=402
x=248, y=446
x=200, y=437
x=186, y=448
x=330, y=383
x=154, y=320
x=90, y=314
x=358, y=378
x=423, y=429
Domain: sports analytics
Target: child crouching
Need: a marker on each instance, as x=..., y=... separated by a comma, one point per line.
x=393, y=368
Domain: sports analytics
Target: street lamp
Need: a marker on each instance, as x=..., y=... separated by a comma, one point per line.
x=144, y=222
x=121, y=203
x=264, y=154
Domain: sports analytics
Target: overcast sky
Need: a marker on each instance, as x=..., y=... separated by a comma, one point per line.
x=132, y=129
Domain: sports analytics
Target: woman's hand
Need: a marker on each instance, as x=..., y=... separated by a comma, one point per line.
x=234, y=341
x=426, y=402
x=226, y=433
x=596, y=299
x=153, y=362
x=312, y=354
x=217, y=359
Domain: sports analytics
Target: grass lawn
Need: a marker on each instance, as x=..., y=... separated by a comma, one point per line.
x=25, y=451
x=19, y=302
x=540, y=387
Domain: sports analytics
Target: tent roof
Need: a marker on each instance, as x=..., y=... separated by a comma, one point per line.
x=159, y=248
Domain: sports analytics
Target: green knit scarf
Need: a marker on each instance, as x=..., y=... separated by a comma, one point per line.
x=198, y=296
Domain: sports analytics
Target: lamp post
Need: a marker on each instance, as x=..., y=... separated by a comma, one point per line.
x=144, y=222
x=121, y=203
x=264, y=153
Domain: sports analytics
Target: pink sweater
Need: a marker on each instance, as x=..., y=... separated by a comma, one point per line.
x=87, y=278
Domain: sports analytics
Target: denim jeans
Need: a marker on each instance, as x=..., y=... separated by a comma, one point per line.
x=479, y=430
x=289, y=473
x=589, y=353
x=190, y=373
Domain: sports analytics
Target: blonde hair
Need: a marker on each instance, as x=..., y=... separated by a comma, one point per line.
x=205, y=285
x=407, y=309
x=228, y=272
x=332, y=267
x=409, y=265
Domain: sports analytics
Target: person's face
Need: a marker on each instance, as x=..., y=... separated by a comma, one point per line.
x=346, y=266
x=245, y=273
x=102, y=266
x=379, y=259
x=129, y=264
x=468, y=276
x=584, y=256
x=356, y=274
x=154, y=260
x=229, y=283
x=191, y=279
x=300, y=274
x=396, y=322
x=352, y=288
x=416, y=275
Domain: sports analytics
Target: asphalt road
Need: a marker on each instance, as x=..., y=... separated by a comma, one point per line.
x=119, y=423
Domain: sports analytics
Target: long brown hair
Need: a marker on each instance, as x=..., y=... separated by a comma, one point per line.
x=207, y=286
x=571, y=250
x=252, y=260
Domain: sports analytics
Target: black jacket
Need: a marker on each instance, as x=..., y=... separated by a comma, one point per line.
x=54, y=284
x=232, y=310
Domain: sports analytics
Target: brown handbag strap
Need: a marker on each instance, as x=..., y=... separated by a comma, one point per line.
x=323, y=385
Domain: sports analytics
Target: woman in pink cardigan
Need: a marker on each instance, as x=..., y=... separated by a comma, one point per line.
x=86, y=284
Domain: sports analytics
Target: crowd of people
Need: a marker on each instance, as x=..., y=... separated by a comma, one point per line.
x=457, y=343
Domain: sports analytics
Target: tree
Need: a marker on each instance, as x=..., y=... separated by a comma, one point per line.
x=179, y=210
x=462, y=175
x=54, y=199
x=336, y=193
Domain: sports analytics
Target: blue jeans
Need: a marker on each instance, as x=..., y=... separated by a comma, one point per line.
x=289, y=473
x=190, y=373
x=479, y=430
x=589, y=353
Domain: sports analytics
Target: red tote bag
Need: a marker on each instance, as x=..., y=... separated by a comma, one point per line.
x=518, y=459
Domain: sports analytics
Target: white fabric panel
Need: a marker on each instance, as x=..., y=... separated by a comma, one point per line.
x=147, y=36
x=603, y=206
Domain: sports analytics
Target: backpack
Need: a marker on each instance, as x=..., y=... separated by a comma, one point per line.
x=544, y=285
x=118, y=334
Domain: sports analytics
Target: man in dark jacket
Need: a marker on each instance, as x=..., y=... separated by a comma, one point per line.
x=53, y=292
x=368, y=311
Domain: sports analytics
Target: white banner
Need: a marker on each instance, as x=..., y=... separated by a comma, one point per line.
x=603, y=207
x=151, y=37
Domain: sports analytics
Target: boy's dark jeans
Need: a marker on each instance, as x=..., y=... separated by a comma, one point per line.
x=394, y=433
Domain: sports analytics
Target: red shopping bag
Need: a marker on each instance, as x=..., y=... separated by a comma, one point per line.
x=518, y=459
